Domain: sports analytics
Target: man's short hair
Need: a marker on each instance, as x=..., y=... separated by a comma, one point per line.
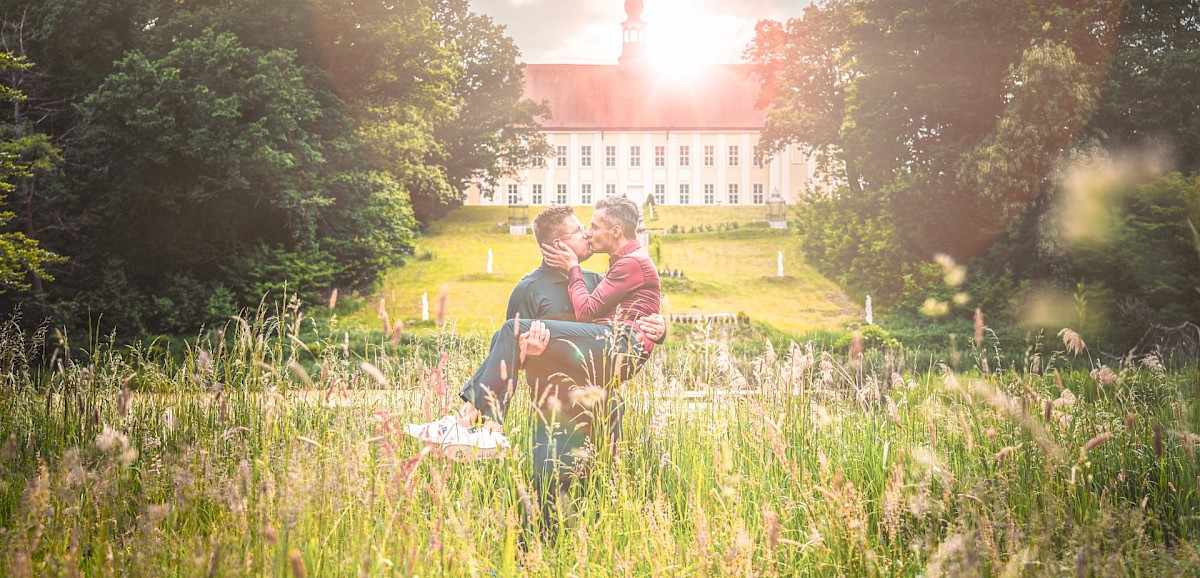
x=547, y=225
x=621, y=211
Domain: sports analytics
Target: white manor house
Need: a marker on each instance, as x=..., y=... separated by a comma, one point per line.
x=622, y=130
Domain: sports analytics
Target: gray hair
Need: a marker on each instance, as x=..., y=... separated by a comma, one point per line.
x=620, y=211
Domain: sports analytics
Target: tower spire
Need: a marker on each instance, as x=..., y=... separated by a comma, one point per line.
x=633, y=35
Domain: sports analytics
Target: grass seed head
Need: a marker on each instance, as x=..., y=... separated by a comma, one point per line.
x=297, y=562
x=1073, y=342
x=397, y=331
x=1104, y=376
x=1094, y=443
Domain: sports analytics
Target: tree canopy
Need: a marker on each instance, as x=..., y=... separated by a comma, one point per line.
x=946, y=126
x=196, y=155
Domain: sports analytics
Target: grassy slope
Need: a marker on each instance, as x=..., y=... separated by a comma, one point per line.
x=727, y=271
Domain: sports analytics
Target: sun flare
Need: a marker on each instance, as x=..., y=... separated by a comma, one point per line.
x=681, y=41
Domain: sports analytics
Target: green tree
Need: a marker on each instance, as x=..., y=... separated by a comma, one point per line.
x=494, y=132
x=1153, y=90
x=918, y=105
x=21, y=256
x=216, y=166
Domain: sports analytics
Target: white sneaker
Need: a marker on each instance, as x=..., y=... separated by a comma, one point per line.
x=434, y=431
x=470, y=444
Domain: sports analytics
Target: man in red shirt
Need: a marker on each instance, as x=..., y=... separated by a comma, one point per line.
x=610, y=348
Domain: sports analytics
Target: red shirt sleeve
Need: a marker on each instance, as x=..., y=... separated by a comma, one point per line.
x=621, y=280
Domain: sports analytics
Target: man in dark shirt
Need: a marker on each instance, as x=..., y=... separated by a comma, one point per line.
x=562, y=428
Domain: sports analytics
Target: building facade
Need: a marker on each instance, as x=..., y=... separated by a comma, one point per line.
x=623, y=130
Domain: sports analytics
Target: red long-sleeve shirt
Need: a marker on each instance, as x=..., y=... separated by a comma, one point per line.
x=629, y=291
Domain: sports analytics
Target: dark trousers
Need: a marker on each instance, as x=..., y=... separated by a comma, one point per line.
x=581, y=354
x=578, y=411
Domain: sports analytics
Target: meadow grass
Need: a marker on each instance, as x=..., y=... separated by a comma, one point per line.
x=726, y=271
x=222, y=464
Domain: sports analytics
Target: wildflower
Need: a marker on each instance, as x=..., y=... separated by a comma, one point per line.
x=333, y=295
x=978, y=326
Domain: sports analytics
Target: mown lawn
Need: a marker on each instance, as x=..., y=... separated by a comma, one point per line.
x=726, y=271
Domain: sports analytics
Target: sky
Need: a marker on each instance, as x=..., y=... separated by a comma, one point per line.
x=677, y=31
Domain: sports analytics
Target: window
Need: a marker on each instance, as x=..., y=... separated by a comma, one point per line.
x=585, y=156
x=758, y=160
x=585, y=194
x=514, y=195
x=537, y=195
x=660, y=156
x=685, y=156
x=709, y=155
x=635, y=156
x=610, y=156
x=560, y=198
x=660, y=194
x=733, y=194
x=758, y=193
x=610, y=190
x=684, y=193
x=710, y=191
x=539, y=162
x=735, y=154
x=561, y=160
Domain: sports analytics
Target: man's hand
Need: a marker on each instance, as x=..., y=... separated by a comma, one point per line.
x=533, y=342
x=559, y=256
x=653, y=327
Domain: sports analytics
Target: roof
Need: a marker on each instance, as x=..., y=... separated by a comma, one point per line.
x=599, y=97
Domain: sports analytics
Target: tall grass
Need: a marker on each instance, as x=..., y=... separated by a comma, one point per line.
x=261, y=453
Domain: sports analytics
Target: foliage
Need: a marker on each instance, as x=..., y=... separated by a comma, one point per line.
x=227, y=148
x=1142, y=266
x=1152, y=91
x=495, y=132
x=939, y=123
x=21, y=157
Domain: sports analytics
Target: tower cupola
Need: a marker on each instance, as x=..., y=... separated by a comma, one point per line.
x=633, y=36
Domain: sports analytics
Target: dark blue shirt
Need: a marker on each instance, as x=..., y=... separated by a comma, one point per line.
x=543, y=295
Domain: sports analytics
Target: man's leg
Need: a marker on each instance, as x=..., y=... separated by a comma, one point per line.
x=568, y=428
x=490, y=388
